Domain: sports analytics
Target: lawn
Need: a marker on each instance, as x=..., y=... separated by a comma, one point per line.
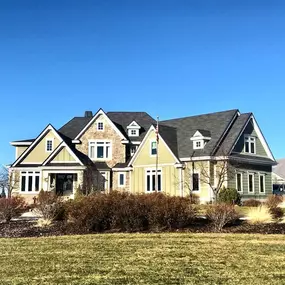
x=166, y=258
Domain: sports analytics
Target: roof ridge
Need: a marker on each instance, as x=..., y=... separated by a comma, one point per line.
x=213, y=113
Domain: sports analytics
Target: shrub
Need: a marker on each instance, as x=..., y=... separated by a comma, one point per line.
x=128, y=212
x=48, y=205
x=273, y=201
x=259, y=215
x=194, y=199
x=221, y=214
x=170, y=212
x=251, y=203
x=11, y=208
x=229, y=196
x=277, y=213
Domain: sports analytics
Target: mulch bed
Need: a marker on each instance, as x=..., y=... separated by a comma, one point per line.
x=29, y=229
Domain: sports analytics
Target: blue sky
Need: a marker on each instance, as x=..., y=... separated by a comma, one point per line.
x=168, y=58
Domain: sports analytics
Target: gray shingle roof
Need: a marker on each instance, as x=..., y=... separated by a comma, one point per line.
x=123, y=119
x=204, y=133
x=279, y=169
x=253, y=159
x=233, y=134
x=72, y=128
x=215, y=123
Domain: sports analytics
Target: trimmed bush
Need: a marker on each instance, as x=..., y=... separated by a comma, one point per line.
x=221, y=214
x=251, y=203
x=229, y=196
x=128, y=212
x=259, y=215
x=12, y=208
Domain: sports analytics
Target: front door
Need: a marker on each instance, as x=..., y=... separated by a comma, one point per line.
x=64, y=184
x=103, y=181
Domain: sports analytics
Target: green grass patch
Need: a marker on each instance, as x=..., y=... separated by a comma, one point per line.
x=167, y=258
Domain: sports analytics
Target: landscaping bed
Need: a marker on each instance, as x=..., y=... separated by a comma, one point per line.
x=58, y=228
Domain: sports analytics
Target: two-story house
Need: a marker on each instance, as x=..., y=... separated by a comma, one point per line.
x=119, y=151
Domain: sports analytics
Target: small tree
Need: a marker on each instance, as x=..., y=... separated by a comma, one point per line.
x=9, y=180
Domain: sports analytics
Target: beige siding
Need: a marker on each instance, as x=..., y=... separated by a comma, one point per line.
x=20, y=150
x=169, y=180
x=109, y=133
x=144, y=155
x=38, y=153
x=63, y=155
x=200, y=167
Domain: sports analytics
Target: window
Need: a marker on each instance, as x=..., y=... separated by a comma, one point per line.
x=133, y=149
x=239, y=182
x=49, y=145
x=153, y=148
x=100, y=126
x=122, y=179
x=100, y=150
x=198, y=144
x=133, y=132
x=195, y=182
x=30, y=181
x=151, y=180
x=249, y=144
x=261, y=183
x=251, y=183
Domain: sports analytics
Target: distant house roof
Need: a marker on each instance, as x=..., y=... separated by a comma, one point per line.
x=279, y=169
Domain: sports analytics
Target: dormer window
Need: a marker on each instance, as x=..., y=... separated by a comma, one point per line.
x=198, y=144
x=200, y=139
x=133, y=129
x=133, y=132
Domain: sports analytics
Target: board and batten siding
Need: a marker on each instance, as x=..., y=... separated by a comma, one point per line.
x=249, y=130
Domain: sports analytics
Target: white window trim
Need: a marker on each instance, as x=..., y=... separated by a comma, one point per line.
x=261, y=175
x=195, y=144
x=52, y=144
x=27, y=174
x=159, y=170
x=95, y=151
x=241, y=182
x=97, y=126
x=150, y=148
x=133, y=135
x=247, y=138
x=124, y=174
x=253, y=186
x=199, y=181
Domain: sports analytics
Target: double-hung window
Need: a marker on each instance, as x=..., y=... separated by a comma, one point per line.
x=153, y=148
x=195, y=182
x=122, y=179
x=30, y=181
x=239, y=182
x=261, y=183
x=249, y=144
x=100, y=126
x=152, y=180
x=49, y=145
x=251, y=183
x=100, y=150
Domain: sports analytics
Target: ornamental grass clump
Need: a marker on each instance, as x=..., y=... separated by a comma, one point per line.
x=259, y=215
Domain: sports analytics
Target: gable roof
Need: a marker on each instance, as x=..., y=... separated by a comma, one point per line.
x=215, y=123
x=204, y=133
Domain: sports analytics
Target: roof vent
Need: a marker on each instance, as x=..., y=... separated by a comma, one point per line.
x=88, y=114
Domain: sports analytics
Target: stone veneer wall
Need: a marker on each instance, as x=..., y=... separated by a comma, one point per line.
x=118, y=149
x=116, y=181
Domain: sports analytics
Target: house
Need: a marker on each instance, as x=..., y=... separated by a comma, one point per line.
x=123, y=151
x=278, y=177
